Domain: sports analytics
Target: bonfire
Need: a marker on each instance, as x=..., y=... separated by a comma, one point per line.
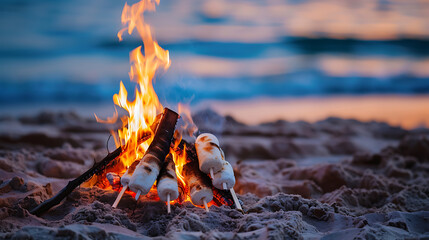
x=152, y=158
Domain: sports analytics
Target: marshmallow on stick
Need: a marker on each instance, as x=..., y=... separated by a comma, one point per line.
x=125, y=181
x=167, y=182
x=198, y=184
x=210, y=155
x=145, y=174
x=225, y=177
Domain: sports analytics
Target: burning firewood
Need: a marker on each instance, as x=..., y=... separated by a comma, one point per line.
x=159, y=147
x=212, y=160
x=167, y=186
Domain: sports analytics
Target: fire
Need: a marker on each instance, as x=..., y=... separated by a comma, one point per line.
x=180, y=160
x=142, y=111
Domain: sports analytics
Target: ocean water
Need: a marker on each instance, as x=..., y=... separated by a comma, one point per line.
x=67, y=51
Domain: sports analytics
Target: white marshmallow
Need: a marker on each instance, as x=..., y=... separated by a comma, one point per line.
x=198, y=196
x=145, y=174
x=209, y=153
x=125, y=179
x=226, y=175
x=167, y=181
x=167, y=186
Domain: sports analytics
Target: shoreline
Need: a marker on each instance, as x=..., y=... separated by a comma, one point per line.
x=397, y=110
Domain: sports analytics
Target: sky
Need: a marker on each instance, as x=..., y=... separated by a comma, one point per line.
x=67, y=52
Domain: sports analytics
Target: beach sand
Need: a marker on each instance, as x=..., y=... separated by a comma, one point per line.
x=330, y=179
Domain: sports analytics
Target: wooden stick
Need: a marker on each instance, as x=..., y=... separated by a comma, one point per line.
x=234, y=196
x=168, y=203
x=211, y=173
x=55, y=200
x=138, y=194
x=118, y=198
x=205, y=205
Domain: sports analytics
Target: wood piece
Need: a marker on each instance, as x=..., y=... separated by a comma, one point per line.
x=46, y=205
x=222, y=197
x=138, y=195
x=205, y=205
x=237, y=203
x=211, y=173
x=168, y=203
x=121, y=193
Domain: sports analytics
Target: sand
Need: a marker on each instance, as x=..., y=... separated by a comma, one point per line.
x=332, y=179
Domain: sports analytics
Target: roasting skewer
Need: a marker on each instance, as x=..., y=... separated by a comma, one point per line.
x=166, y=185
x=198, y=184
x=210, y=155
x=225, y=179
x=125, y=181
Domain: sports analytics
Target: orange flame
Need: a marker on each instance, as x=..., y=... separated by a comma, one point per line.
x=143, y=110
x=185, y=113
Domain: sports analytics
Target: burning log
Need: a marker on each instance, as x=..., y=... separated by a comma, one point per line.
x=199, y=187
x=162, y=138
x=222, y=197
x=212, y=160
x=167, y=182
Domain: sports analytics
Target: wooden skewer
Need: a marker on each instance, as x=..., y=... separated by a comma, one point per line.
x=211, y=173
x=138, y=194
x=168, y=203
x=118, y=198
x=234, y=196
x=205, y=205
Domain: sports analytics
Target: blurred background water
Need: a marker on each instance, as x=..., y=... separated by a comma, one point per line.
x=67, y=53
